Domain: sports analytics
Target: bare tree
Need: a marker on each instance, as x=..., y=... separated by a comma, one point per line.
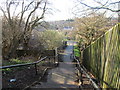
x=103, y=5
x=97, y=5
x=19, y=21
x=89, y=28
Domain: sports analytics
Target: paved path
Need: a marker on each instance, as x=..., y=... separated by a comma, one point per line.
x=64, y=75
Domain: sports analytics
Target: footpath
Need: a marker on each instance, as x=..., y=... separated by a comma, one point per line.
x=64, y=75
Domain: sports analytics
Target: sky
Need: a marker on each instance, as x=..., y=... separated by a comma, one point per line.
x=67, y=7
x=63, y=9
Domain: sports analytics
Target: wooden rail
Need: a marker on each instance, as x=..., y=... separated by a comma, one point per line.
x=82, y=69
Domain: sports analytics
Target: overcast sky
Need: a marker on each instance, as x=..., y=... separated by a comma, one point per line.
x=63, y=9
x=67, y=7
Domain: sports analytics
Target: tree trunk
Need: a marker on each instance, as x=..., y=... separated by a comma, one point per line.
x=12, y=50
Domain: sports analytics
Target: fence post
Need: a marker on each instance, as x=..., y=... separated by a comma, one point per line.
x=36, y=68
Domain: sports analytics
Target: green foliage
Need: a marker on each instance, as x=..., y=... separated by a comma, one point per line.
x=13, y=62
x=76, y=47
x=76, y=51
x=17, y=61
x=77, y=54
x=102, y=58
x=42, y=62
x=7, y=70
x=50, y=39
x=65, y=40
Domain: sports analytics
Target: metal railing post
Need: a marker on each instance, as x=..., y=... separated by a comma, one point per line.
x=49, y=61
x=36, y=69
x=81, y=79
x=54, y=59
x=82, y=71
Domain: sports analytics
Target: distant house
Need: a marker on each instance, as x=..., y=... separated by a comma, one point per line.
x=68, y=28
x=61, y=25
x=40, y=28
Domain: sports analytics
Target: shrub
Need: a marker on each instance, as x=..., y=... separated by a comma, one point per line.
x=76, y=51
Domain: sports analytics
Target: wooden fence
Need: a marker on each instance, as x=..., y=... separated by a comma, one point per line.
x=102, y=58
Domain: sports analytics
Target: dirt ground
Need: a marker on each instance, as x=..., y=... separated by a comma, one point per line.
x=24, y=76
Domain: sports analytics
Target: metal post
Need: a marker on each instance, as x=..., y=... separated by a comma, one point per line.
x=54, y=59
x=81, y=79
x=49, y=61
x=56, y=51
x=36, y=68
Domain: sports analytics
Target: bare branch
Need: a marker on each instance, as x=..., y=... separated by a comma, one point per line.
x=42, y=16
x=115, y=3
x=101, y=3
x=38, y=3
x=24, y=9
x=15, y=8
x=3, y=13
x=102, y=7
x=8, y=5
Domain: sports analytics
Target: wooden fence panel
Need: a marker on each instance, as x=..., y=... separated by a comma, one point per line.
x=102, y=58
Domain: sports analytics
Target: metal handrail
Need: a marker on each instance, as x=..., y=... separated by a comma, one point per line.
x=26, y=64
x=94, y=84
